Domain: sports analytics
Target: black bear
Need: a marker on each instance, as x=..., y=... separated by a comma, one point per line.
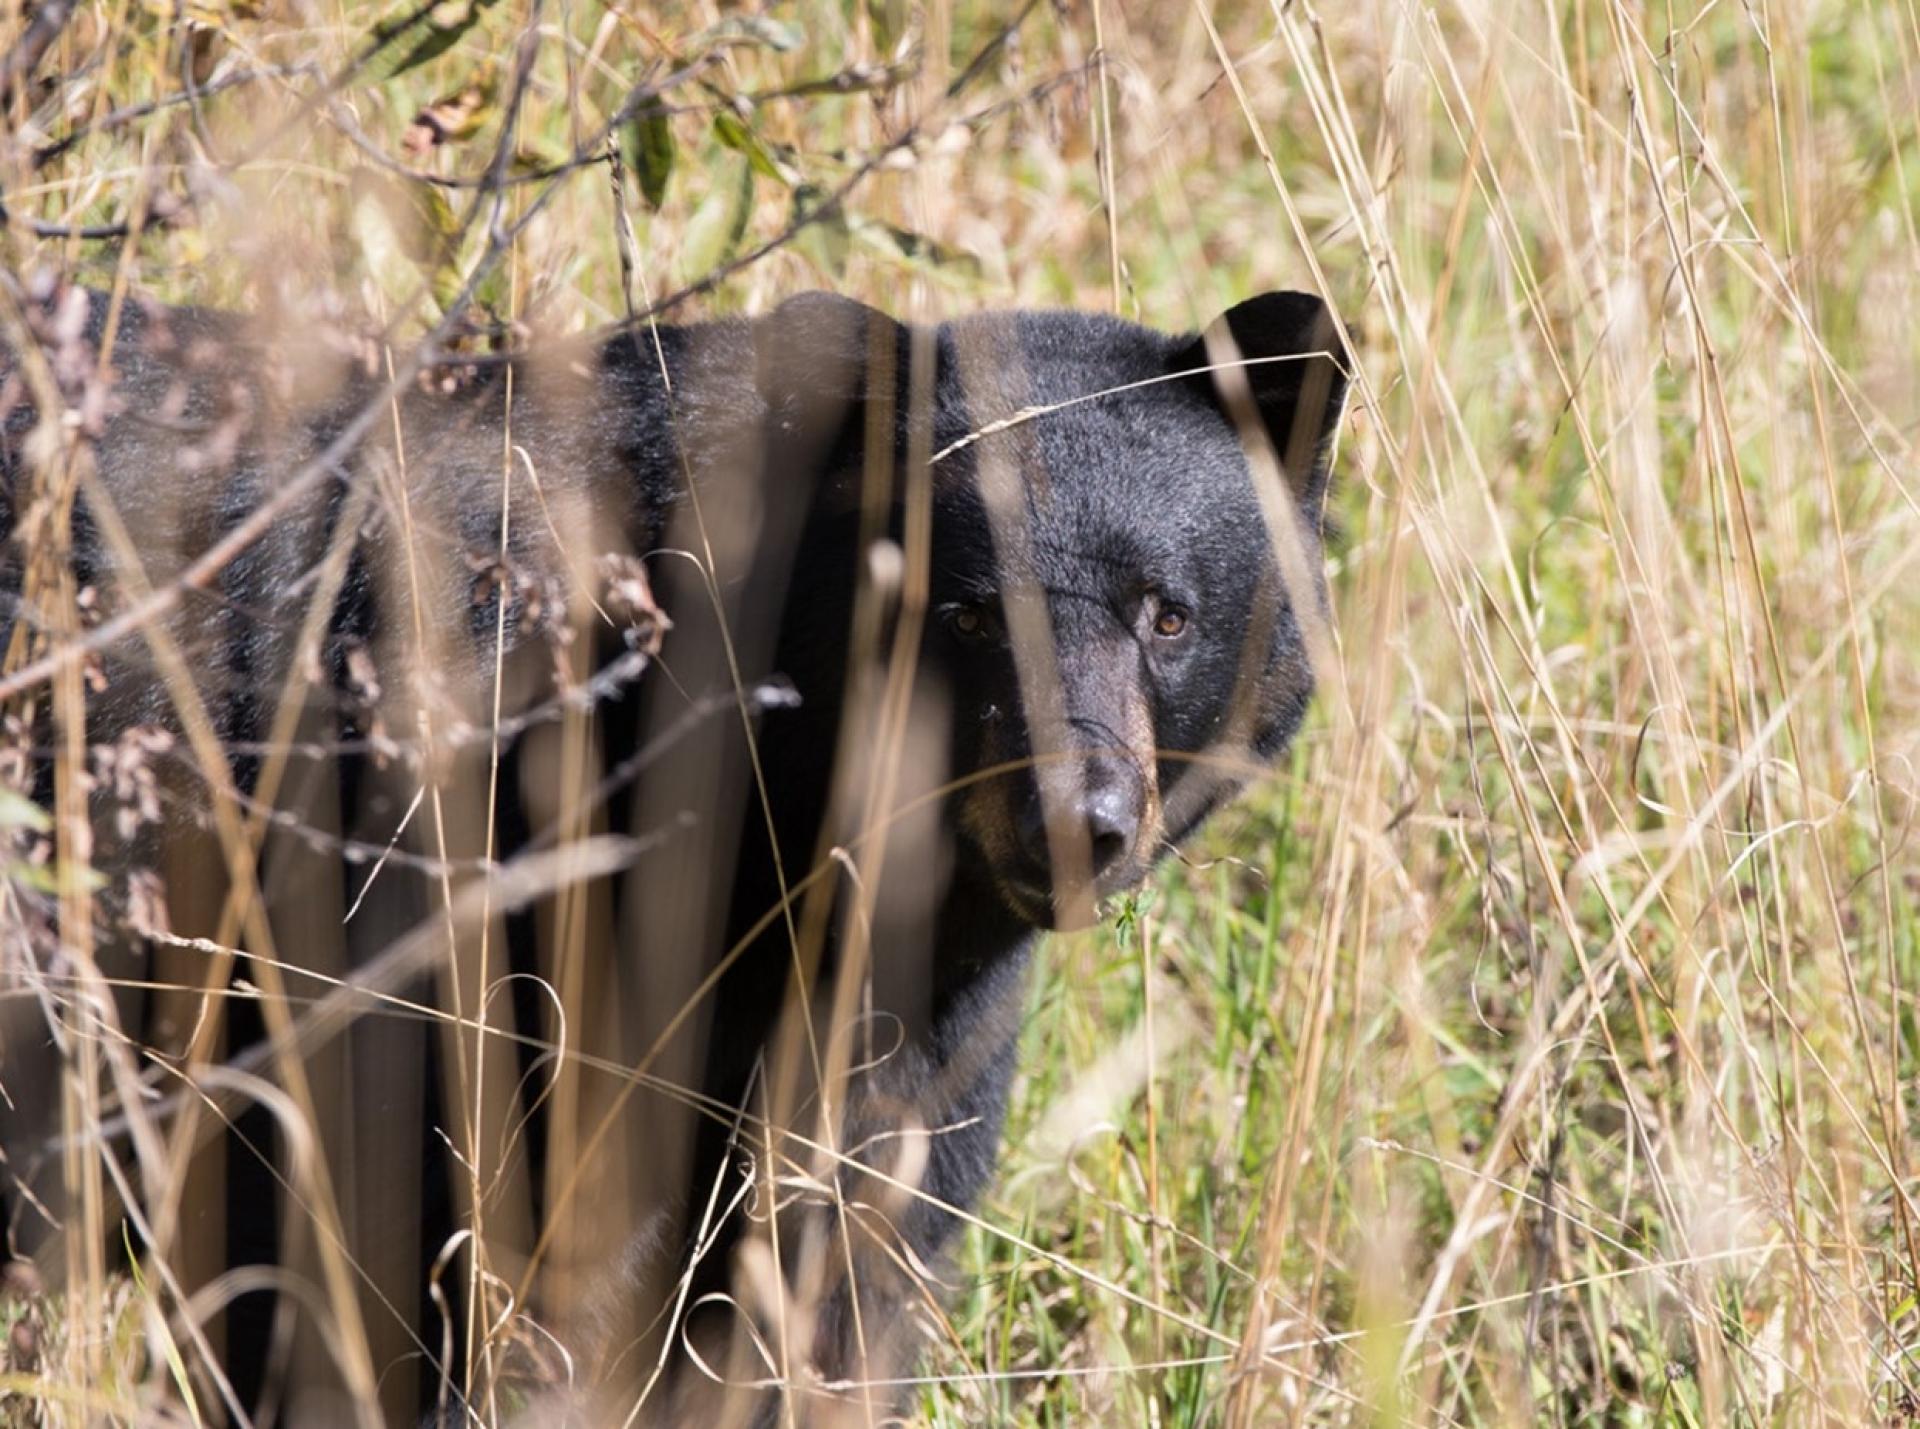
x=698, y=987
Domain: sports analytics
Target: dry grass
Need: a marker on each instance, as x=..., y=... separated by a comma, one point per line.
x=1539, y=1045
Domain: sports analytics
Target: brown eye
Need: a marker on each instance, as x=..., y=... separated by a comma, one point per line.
x=1170, y=622
x=969, y=623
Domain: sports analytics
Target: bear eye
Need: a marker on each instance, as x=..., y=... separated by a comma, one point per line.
x=969, y=624
x=1167, y=620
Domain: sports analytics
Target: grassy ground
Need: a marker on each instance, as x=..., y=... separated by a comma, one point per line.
x=1539, y=1044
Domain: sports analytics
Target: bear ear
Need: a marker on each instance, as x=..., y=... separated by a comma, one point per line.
x=1286, y=350
x=815, y=365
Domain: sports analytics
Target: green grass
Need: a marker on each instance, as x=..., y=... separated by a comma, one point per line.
x=1538, y=1045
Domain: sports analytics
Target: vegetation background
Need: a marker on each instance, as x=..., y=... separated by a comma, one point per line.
x=1539, y=1045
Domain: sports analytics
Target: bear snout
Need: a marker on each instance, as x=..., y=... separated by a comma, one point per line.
x=1078, y=838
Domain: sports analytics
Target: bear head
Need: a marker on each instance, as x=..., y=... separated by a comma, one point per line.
x=1104, y=541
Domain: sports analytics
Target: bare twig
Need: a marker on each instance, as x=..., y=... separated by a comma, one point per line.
x=127, y=113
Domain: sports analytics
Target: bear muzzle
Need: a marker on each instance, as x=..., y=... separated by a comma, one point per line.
x=1079, y=836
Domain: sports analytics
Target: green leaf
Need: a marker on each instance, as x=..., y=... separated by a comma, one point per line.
x=439, y=227
x=650, y=155
x=913, y=250
x=890, y=20
x=17, y=811
x=827, y=240
x=491, y=295
x=733, y=131
x=446, y=285
x=382, y=256
x=418, y=216
x=401, y=225
x=170, y=1348
x=427, y=40
x=45, y=877
x=714, y=231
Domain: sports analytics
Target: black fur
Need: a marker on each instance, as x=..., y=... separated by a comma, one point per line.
x=1034, y=634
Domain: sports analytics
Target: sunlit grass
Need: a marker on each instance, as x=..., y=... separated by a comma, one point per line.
x=1537, y=1045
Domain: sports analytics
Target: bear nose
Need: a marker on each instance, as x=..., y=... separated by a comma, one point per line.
x=1106, y=808
x=1112, y=821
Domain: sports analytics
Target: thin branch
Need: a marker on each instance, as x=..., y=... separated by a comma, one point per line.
x=40, y=228
x=641, y=99
x=127, y=113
